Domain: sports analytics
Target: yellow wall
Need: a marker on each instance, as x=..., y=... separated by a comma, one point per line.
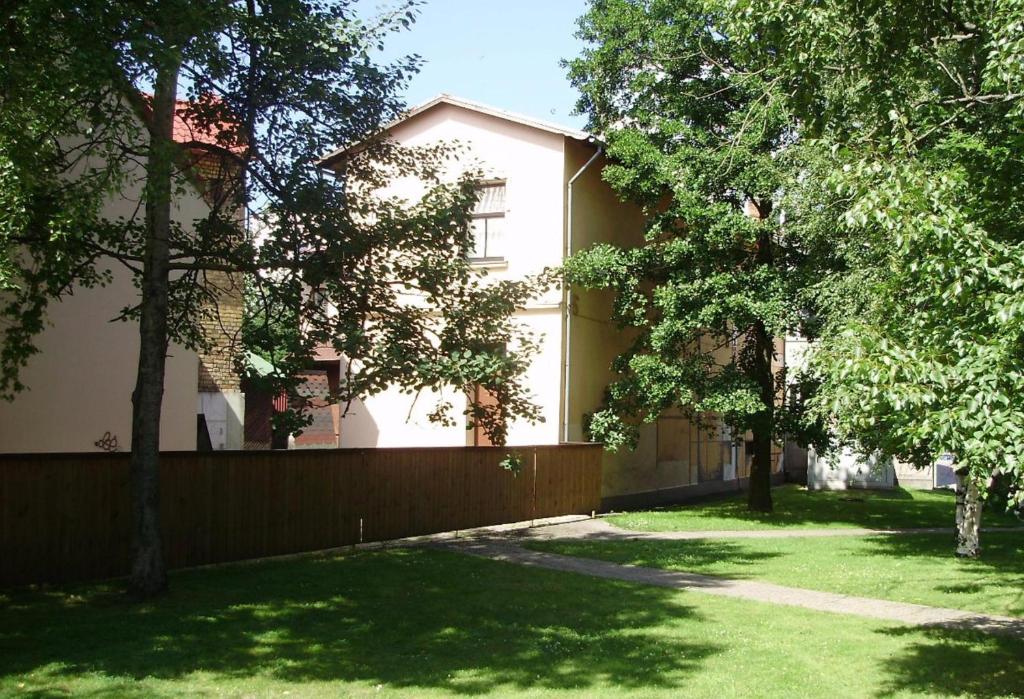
x=598, y=216
x=672, y=451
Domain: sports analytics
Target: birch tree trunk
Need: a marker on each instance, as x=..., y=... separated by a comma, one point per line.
x=148, y=574
x=968, y=515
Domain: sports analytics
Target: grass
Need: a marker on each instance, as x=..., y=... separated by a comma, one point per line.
x=917, y=568
x=797, y=507
x=428, y=623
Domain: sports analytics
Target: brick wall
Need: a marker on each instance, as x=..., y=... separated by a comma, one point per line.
x=222, y=319
x=223, y=327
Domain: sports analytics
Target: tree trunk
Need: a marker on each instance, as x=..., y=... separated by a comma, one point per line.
x=148, y=575
x=759, y=497
x=968, y=516
x=760, y=494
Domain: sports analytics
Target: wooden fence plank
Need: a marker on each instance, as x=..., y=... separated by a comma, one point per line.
x=66, y=517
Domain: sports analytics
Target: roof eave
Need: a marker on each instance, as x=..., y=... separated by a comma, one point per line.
x=331, y=158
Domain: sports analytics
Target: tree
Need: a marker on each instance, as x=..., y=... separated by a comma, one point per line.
x=272, y=87
x=701, y=142
x=921, y=106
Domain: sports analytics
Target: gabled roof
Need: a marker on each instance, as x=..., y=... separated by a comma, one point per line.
x=472, y=106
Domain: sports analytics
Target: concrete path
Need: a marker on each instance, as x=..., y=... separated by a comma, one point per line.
x=902, y=612
x=601, y=530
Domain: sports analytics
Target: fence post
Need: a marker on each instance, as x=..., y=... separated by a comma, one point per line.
x=533, y=503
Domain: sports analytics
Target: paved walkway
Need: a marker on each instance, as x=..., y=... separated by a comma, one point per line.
x=601, y=530
x=504, y=548
x=915, y=614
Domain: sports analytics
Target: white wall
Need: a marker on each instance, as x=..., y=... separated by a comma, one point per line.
x=397, y=419
x=543, y=378
x=848, y=469
x=225, y=418
x=531, y=162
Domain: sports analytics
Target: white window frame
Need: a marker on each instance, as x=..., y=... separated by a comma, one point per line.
x=486, y=217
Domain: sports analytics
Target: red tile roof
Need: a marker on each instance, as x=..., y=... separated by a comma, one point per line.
x=194, y=122
x=187, y=128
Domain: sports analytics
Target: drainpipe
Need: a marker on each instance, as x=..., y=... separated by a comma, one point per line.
x=567, y=295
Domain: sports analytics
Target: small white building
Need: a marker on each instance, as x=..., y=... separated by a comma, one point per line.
x=849, y=469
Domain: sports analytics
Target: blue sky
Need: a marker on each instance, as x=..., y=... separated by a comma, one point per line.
x=501, y=52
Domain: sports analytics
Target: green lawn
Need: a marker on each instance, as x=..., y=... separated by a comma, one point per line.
x=432, y=623
x=797, y=507
x=916, y=568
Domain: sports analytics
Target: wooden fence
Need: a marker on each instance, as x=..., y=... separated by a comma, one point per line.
x=66, y=517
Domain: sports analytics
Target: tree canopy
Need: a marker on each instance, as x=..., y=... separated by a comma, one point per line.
x=847, y=170
x=704, y=144
x=920, y=109
x=93, y=93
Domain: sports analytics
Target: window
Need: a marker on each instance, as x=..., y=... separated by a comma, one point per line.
x=488, y=224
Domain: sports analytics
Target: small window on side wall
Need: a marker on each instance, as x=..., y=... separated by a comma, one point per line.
x=488, y=224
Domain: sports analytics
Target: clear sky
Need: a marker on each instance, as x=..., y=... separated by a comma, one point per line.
x=504, y=53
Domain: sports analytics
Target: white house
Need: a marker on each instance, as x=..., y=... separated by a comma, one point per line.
x=544, y=200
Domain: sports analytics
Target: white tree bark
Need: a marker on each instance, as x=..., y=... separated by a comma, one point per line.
x=968, y=516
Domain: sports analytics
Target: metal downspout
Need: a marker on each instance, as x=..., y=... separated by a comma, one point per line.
x=567, y=296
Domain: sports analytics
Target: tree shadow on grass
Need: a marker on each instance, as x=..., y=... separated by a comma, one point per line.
x=952, y=662
x=402, y=618
x=690, y=555
x=1003, y=550
x=1000, y=567
x=119, y=690
x=874, y=509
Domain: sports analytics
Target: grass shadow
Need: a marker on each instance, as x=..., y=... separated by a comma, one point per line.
x=686, y=555
x=952, y=662
x=1000, y=566
x=402, y=618
x=916, y=568
x=794, y=506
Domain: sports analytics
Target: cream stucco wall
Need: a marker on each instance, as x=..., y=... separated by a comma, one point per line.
x=537, y=165
x=543, y=378
x=80, y=383
x=397, y=419
x=531, y=162
x=598, y=216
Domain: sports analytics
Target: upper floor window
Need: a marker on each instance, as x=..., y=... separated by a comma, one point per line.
x=488, y=224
